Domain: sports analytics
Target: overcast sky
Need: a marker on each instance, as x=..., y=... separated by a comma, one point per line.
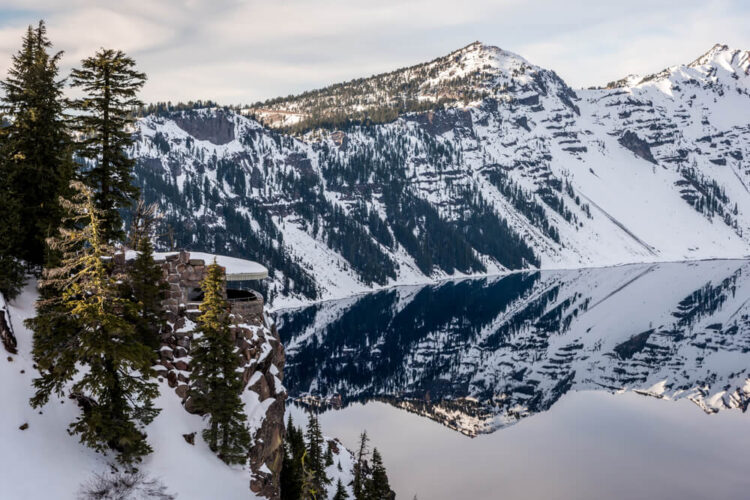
x=241, y=51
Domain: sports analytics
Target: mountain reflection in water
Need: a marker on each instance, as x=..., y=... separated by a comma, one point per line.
x=480, y=354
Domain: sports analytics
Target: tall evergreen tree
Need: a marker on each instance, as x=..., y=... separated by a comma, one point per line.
x=291, y=468
x=35, y=147
x=215, y=383
x=378, y=487
x=110, y=84
x=82, y=321
x=360, y=468
x=315, y=455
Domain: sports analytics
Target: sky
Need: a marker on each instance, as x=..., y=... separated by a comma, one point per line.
x=243, y=51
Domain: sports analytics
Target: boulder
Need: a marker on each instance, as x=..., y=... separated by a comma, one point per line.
x=182, y=391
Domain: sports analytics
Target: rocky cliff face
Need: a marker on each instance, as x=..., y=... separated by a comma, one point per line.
x=503, y=166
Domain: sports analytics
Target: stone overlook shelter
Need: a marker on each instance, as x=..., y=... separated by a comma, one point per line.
x=184, y=271
x=253, y=333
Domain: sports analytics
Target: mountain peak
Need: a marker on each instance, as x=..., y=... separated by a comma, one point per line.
x=466, y=75
x=735, y=62
x=482, y=54
x=711, y=54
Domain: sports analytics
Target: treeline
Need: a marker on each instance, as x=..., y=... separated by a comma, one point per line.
x=706, y=196
x=65, y=179
x=382, y=98
x=164, y=108
x=337, y=118
x=375, y=170
x=307, y=456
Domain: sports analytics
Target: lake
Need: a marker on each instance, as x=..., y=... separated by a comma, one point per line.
x=624, y=382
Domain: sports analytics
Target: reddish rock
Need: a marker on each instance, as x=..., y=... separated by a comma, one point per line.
x=189, y=438
x=182, y=391
x=190, y=407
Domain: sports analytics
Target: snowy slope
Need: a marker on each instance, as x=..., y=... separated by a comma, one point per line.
x=43, y=461
x=513, y=169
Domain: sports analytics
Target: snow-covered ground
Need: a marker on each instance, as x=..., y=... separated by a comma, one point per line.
x=44, y=461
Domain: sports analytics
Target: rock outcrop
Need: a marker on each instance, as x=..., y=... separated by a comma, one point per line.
x=638, y=146
x=216, y=129
x=6, y=330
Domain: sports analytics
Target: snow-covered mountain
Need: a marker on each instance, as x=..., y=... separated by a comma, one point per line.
x=479, y=355
x=477, y=162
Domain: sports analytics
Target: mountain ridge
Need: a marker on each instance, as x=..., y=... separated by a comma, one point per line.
x=466, y=75
x=532, y=174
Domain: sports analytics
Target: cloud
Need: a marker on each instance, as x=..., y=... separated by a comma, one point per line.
x=244, y=50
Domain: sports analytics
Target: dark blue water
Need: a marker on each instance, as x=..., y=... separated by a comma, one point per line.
x=485, y=358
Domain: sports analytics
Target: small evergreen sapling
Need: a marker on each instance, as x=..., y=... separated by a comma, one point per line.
x=341, y=493
x=147, y=290
x=145, y=285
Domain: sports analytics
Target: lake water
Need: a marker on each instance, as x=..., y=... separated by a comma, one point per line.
x=626, y=382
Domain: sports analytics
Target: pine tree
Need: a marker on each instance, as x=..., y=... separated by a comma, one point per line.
x=81, y=320
x=215, y=383
x=35, y=148
x=12, y=275
x=145, y=285
x=315, y=456
x=329, y=455
x=291, y=469
x=377, y=486
x=360, y=468
x=110, y=83
x=341, y=493
x=311, y=490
